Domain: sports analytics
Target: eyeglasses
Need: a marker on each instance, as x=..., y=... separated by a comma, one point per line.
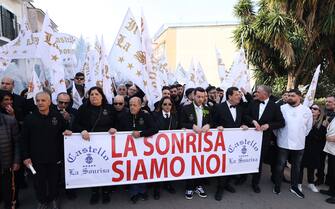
x=314, y=108
x=116, y=103
x=61, y=102
x=167, y=104
x=80, y=79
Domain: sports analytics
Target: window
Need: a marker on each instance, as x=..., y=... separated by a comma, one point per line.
x=9, y=28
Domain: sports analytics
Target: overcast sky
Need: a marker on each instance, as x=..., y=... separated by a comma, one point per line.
x=104, y=17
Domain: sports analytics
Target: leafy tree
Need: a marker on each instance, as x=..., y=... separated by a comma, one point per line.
x=287, y=39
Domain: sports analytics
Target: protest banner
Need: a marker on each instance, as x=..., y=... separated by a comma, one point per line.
x=167, y=156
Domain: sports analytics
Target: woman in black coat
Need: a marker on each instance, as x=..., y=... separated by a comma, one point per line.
x=315, y=142
x=166, y=119
x=96, y=115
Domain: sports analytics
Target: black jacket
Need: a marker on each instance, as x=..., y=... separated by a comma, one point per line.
x=94, y=119
x=222, y=116
x=188, y=116
x=271, y=115
x=163, y=123
x=315, y=142
x=9, y=141
x=42, y=137
x=142, y=122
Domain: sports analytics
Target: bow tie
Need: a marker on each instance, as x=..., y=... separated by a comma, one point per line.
x=261, y=102
x=232, y=106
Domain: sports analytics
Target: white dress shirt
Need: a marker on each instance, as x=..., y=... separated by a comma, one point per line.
x=166, y=113
x=232, y=110
x=198, y=111
x=298, y=123
x=262, y=108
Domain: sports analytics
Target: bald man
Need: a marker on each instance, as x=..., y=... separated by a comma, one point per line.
x=19, y=103
x=42, y=147
x=142, y=125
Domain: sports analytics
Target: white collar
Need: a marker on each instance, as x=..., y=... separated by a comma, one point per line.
x=164, y=113
x=197, y=107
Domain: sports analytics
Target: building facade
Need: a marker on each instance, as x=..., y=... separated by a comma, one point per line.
x=11, y=18
x=181, y=43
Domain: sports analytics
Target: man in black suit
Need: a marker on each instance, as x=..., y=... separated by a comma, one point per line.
x=197, y=117
x=228, y=115
x=265, y=115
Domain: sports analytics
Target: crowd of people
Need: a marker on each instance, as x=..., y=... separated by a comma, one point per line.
x=294, y=134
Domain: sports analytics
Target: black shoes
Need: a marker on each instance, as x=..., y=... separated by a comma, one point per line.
x=327, y=192
x=276, y=190
x=331, y=200
x=256, y=188
x=135, y=198
x=297, y=192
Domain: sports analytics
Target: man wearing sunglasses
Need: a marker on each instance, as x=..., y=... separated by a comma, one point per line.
x=119, y=105
x=79, y=82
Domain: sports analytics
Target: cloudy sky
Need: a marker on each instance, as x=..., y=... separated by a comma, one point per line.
x=104, y=17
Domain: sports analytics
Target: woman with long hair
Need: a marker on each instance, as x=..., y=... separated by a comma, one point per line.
x=315, y=142
x=166, y=119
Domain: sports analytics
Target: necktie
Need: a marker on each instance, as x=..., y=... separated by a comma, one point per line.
x=166, y=115
x=261, y=102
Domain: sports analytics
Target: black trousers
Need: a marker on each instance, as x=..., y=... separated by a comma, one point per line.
x=331, y=172
x=223, y=181
x=46, y=181
x=310, y=175
x=266, y=151
x=321, y=171
x=296, y=157
x=191, y=184
x=7, y=184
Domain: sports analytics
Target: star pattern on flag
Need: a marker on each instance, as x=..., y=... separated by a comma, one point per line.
x=120, y=59
x=130, y=66
x=138, y=73
x=54, y=57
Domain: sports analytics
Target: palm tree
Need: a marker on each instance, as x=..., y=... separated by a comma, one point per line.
x=287, y=38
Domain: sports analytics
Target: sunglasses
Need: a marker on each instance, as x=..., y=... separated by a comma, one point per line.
x=314, y=108
x=61, y=102
x=116, y=103
x=167, y=104
x=80, y=79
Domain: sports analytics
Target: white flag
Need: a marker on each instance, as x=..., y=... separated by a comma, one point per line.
x=35, y=86
x=191, y=81
x=106, y=75
x=77, y=100
x=239, y=73
x=309, y=98
x=127, y=57
x=154, y=91
x=91, y=70
x=49, y=52
x=201, y=77
x=163, y=72
x=223, y=73
x=181, y=74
